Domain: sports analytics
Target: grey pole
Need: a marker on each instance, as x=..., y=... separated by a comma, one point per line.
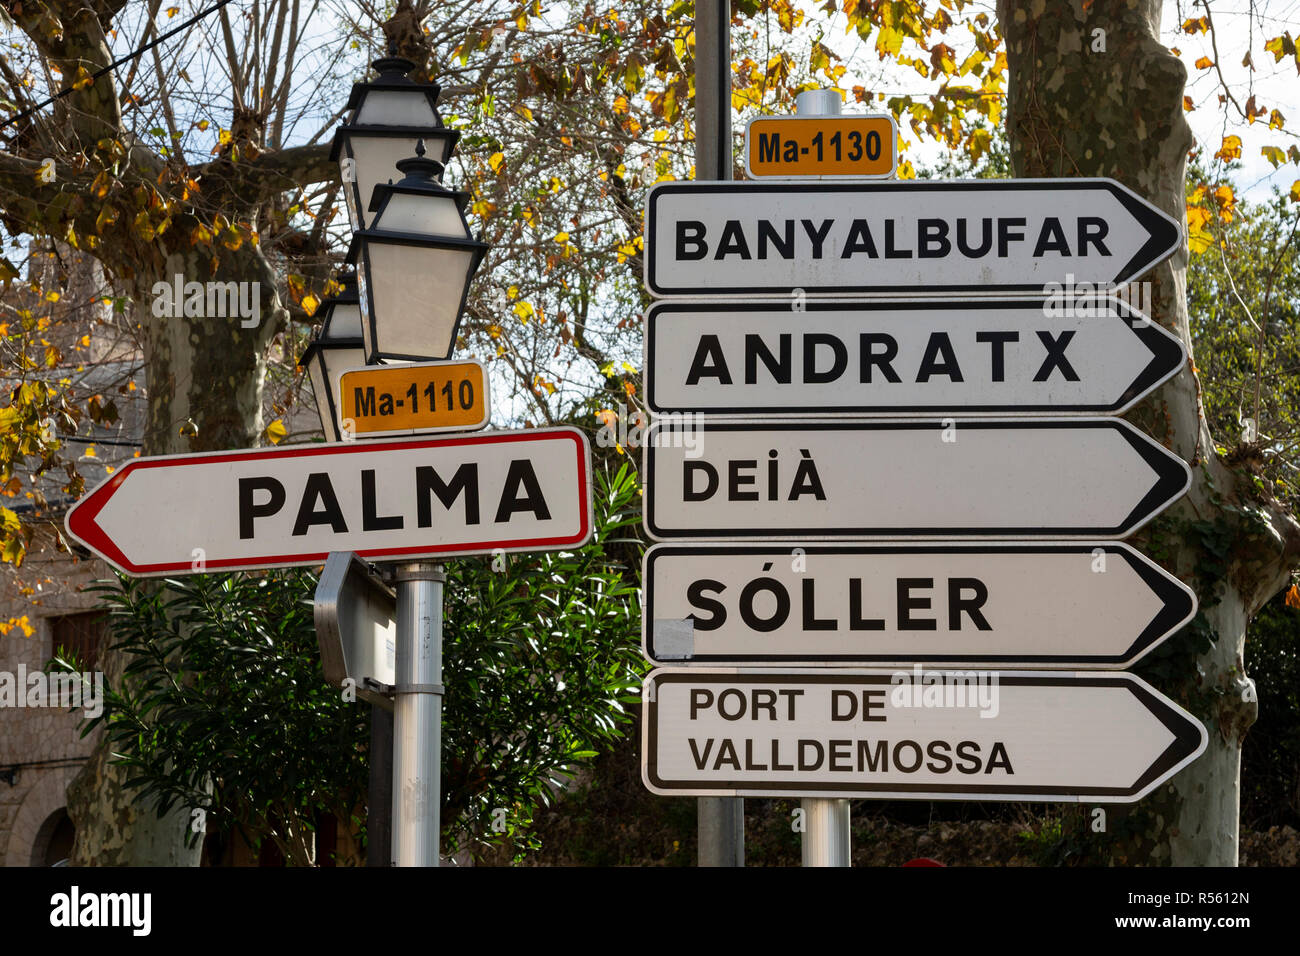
x=826, y=835
x=417, y=714
x=721, y=820
x=826, y=839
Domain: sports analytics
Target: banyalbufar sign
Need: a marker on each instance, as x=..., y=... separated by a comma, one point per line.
x=898, y=238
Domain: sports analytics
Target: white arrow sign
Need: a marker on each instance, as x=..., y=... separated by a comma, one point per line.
x=920, y=237
x=1045, y=605
x=901, y=357
x=985, y=478
x=511, y=491
x=912, y=734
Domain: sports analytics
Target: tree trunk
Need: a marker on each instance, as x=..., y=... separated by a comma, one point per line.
x=204, y=392
x=1093, y=92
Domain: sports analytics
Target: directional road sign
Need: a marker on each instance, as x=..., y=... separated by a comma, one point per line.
x=903, y=357
x=356, y=627
x=912, y=734
x=920, y=237
x=860, y=147
x=1043, y=605
x=979, y=478
x=277, y=507
x=414, y=398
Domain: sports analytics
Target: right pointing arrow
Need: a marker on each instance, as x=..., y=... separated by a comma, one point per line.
x=1053, y=605
x=904, y=357
x=974, y=478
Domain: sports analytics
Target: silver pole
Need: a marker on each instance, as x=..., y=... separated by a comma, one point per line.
x=826, y=840
x=417, y=715
x=721, y=820
x=826, y=835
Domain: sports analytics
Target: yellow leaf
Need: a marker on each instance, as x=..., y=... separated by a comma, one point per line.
x=524, y=310
x=90, y=452
x=561, y=237
x=1295, y=190
x=172, y=11
x=1230, y=150
x=275, y=432
x=1204, y=63
x=309, y=303
x=888, y=41
x=496, y=161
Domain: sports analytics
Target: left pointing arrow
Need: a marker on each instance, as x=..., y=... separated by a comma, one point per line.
x=436, y=497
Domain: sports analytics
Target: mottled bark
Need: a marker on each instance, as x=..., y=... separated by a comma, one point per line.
x=1094, y=93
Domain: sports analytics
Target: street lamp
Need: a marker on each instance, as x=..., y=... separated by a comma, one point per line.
x=338, y=346
x=414, y=264
x=390, y=114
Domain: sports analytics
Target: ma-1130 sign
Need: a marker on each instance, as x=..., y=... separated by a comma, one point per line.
x=978, y=236
x=899, y=357
x=437, y=497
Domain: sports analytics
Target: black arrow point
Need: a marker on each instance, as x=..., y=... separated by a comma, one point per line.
x=1177, y=604
x=1173, y=478
x=1163, y=234
x=1167, y=357
x=1189, y=736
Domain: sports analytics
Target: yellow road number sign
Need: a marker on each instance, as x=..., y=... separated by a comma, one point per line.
x=785, y=147
x=413, y=399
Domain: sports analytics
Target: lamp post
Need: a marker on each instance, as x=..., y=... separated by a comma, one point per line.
x=390, y=114
x=414, y=258
x=414, y=264
x=338, y=346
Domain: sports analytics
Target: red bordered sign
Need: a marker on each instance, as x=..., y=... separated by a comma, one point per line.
x=526, y=490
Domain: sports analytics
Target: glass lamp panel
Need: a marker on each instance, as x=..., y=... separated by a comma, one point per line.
x=363, y=293
x=338, y=360
x=417, y=294
x=376, y=160
x=316, y=369
x=344, y=322
x=395, y=108
x=435, y=215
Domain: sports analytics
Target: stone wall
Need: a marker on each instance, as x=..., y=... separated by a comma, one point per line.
x=41, y=748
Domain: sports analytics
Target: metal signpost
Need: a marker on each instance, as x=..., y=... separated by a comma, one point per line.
x=1098, y=604
x=721, y=822
x=956, y=540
